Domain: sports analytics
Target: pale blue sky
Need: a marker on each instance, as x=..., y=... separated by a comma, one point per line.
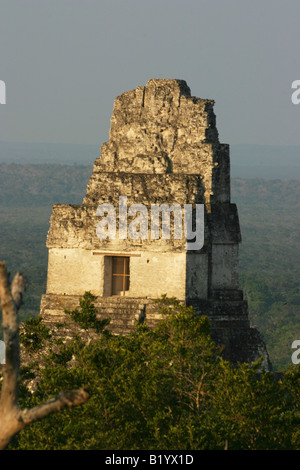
x=65, y=61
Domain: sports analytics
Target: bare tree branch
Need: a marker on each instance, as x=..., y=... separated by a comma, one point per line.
x=71, y=398
x=18, y=287
x=9, y=391
x=12, y=419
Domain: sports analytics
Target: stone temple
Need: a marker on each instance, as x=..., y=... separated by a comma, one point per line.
x=163, y=148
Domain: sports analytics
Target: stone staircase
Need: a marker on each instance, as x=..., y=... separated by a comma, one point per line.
x=124, y=312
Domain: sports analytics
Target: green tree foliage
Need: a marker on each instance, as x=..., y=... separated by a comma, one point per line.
x=163, y=388
x=34, y=334
x=86, y=315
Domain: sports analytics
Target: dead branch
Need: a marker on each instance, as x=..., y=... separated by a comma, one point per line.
x=12, y=418
x=70, y=398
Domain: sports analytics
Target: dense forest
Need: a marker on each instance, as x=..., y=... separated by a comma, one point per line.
x=164, y=388
x=269, y=255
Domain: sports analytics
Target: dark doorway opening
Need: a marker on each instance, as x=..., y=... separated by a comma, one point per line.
x=120, y=275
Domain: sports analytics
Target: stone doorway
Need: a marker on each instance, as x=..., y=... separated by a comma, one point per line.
x=120, y=275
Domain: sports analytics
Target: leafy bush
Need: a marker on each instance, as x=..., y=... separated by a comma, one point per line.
x=86, y=317
x=34, y=334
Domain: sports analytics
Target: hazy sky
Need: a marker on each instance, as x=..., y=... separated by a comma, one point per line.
x=65, y=61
